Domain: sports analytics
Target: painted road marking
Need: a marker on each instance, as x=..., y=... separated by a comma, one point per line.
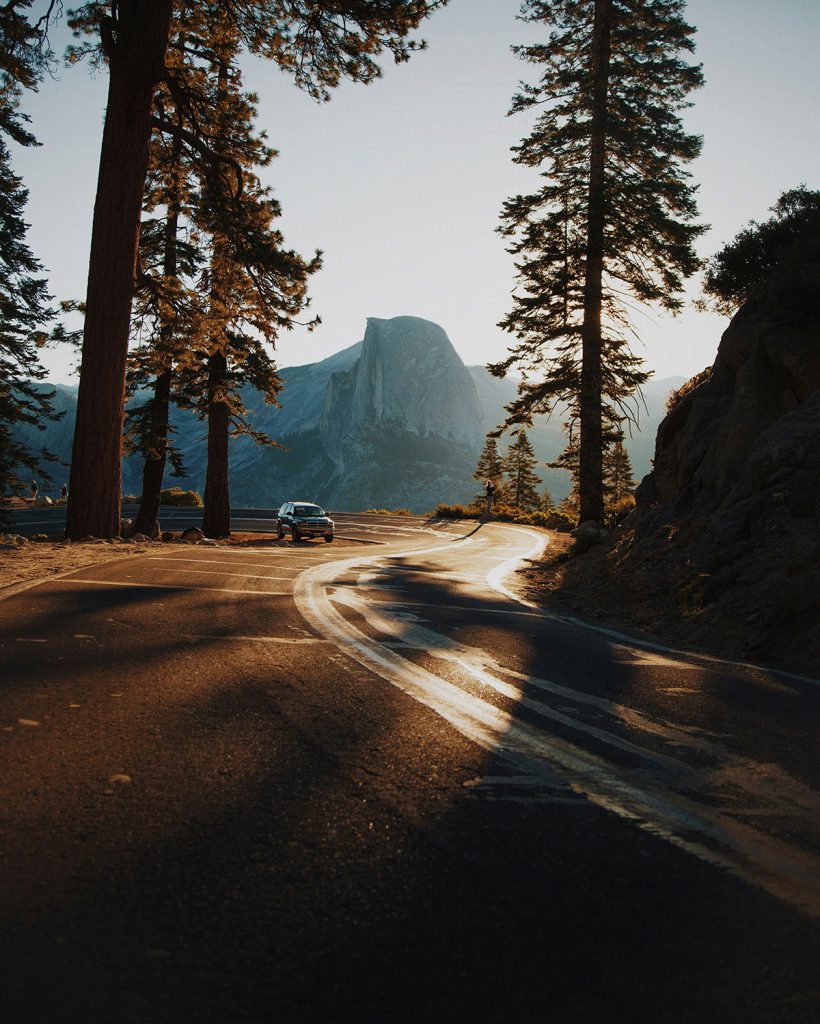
x=711, y=833
x=224, y=572
x=265, y=639
x=177, y=586
x=215, y=561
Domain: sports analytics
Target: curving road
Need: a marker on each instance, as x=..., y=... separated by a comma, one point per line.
x=281, y=780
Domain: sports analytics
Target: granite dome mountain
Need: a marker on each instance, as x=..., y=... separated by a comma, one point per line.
x=395, y=420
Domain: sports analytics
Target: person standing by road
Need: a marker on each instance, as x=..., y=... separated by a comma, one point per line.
x=64, y=492
x=34, y=490
x=489, y=489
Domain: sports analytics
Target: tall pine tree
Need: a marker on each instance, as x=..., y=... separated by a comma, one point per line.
x=220, y=300
x=24, y=298
x=319, y=44
x=614, y=216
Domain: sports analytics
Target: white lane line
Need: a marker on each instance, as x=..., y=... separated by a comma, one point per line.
x=404, y=570
x=475, y=664
x=477, y=609
x=495, y=577
x=177, y=586
x=708, y=833
x=214, y=561
x=756, y=783
x=266, y=639
x=224, y=572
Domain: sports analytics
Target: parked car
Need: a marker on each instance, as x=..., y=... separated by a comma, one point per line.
x=304, y=519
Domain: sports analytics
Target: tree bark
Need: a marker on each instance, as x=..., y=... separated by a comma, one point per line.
x=590, y=467
x=216, y=522
x=136, y=60
x=153, y=469
x=157, y=450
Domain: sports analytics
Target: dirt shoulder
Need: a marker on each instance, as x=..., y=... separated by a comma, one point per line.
x=754, y=602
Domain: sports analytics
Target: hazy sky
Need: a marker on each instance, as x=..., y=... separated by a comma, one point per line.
x=400, y=183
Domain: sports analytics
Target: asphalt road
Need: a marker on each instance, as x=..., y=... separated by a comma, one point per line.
x=363, y=782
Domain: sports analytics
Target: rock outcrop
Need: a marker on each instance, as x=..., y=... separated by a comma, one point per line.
x=746, y=440
x=408, y=375
x=730, y=513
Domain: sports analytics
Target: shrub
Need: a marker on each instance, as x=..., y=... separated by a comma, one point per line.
x=554, y=519
x=176, y=496
x=444, y=511
x=619, y=510
x=550, y=520
x=388, y=511
x=676, y=396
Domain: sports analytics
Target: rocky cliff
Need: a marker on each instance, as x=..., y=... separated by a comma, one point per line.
x=408, y=375
x=743, y=444
x=400, y=425
x=733, y=502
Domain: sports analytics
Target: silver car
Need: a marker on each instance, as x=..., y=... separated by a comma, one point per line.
x=304, y=519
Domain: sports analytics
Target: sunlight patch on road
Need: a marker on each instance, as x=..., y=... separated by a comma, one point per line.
x=677, y=800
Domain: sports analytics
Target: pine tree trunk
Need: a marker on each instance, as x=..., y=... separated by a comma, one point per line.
x=216, y=521
x=136, y=61
x=154, y=468
x=590, y=467
x=157, y=449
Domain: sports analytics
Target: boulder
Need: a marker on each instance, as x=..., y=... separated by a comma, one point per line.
x=140, y=538
x=193, y=535
x=586, y=534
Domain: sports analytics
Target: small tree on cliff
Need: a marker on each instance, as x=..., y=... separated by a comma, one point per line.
x=788, y=244
x=317, y=44
x=613, y=216
x=519, y=467
x=619, y=482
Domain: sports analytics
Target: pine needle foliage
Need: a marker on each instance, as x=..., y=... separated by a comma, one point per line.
x=218, y=305
x=619, y=481
x=317, y=42
x=612, y=223
x=519, y=469
x=489, y=466
x=787, y=243
x=25, y=309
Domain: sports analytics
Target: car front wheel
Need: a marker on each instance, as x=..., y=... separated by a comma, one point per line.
x=294, y=534
x=328, y=538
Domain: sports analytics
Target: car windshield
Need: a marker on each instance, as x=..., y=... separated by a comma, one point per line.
x=303, y=511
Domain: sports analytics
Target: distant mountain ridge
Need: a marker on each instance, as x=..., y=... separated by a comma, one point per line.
x=394, y=420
